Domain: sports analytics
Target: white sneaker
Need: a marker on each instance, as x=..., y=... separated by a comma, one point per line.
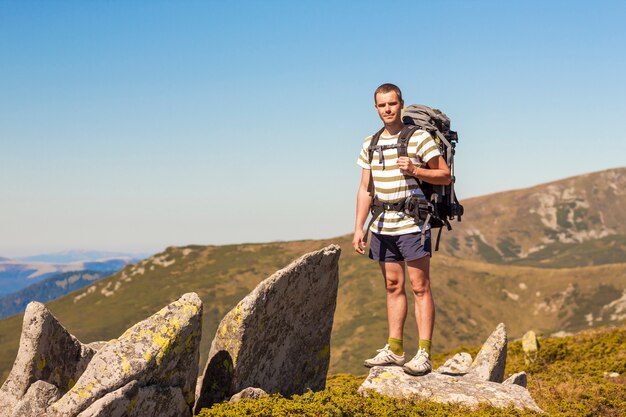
x=385, y=357
x=419, y=365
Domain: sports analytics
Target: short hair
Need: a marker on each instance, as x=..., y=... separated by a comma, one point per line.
x=388, y=88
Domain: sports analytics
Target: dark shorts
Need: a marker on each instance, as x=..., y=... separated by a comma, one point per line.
x=385, y=248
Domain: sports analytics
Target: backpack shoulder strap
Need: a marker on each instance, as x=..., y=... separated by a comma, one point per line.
x=403, y=139
x=373, y=143
x=370, y=156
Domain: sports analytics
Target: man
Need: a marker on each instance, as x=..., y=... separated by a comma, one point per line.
x=396, y=238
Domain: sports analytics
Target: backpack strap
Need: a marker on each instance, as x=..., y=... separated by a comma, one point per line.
x=403, y=139
x=370, y=155
x=438, y=238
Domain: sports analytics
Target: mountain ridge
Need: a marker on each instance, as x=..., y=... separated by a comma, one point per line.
x=76, y=255
x=48, y=289
x=531, y=225
x=471, y=294
x=16, y=275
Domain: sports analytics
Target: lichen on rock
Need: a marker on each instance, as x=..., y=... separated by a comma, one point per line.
x=277, y=338
x=47, y=352
x=163, y=349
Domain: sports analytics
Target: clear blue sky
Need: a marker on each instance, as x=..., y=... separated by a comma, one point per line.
x=137, y=125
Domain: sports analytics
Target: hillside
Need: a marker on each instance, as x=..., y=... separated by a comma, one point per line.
x=576, y=221
x=472, y=295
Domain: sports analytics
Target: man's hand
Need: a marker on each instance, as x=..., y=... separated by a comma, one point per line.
x=406, y=165
x=358, y=243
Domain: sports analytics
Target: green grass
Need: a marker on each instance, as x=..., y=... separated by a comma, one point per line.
x=568, y=378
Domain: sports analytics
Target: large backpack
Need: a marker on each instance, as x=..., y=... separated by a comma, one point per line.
x=441, y=204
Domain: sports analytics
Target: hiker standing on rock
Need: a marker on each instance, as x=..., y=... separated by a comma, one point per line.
x=396, y=238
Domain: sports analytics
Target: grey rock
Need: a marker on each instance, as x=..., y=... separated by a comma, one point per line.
x=530, y=346
x=517, y=379
x=467, y=390
x=114, y=404
x=47, y=352
x=249, y=393
x=36, y=400
x=490, y=362
x=278, y=337
x=161, y=350
x=459, y=364
x=135, y=401
x=96, y=346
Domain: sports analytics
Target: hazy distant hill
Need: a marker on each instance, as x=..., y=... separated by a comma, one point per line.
x=48, y=289
x=16, y=275
x=81, y=255
x=472, y=295
x=572, y=222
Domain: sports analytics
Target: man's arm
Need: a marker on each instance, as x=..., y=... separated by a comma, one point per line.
x=437, y=172
x=363, y=202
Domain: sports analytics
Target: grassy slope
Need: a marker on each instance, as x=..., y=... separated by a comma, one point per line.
x=471, y=297
x=569, y=378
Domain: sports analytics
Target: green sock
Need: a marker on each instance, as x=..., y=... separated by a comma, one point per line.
x=425, y=345
x=396, y=346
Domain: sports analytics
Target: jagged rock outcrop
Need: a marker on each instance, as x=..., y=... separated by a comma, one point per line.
x=278, y=337
x=490, y=362
x=47, y=353
x=150, y=370
x=480, y=385
x=161, y=351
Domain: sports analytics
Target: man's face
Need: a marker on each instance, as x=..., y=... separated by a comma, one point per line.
x=389, y=107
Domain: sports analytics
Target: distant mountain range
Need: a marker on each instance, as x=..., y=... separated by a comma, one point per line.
x=549, y=258
x=48, y=289
x=71, y=256
x=16, y=275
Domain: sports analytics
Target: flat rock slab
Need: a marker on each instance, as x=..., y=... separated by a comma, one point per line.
x=278, y=337
x=467, y=390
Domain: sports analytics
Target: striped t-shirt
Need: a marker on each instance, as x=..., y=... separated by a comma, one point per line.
x=391, y=185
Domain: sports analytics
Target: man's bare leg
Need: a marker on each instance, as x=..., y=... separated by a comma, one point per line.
x=393, y=353
x=393, y=272
x=419, y=275
x=418, y=272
